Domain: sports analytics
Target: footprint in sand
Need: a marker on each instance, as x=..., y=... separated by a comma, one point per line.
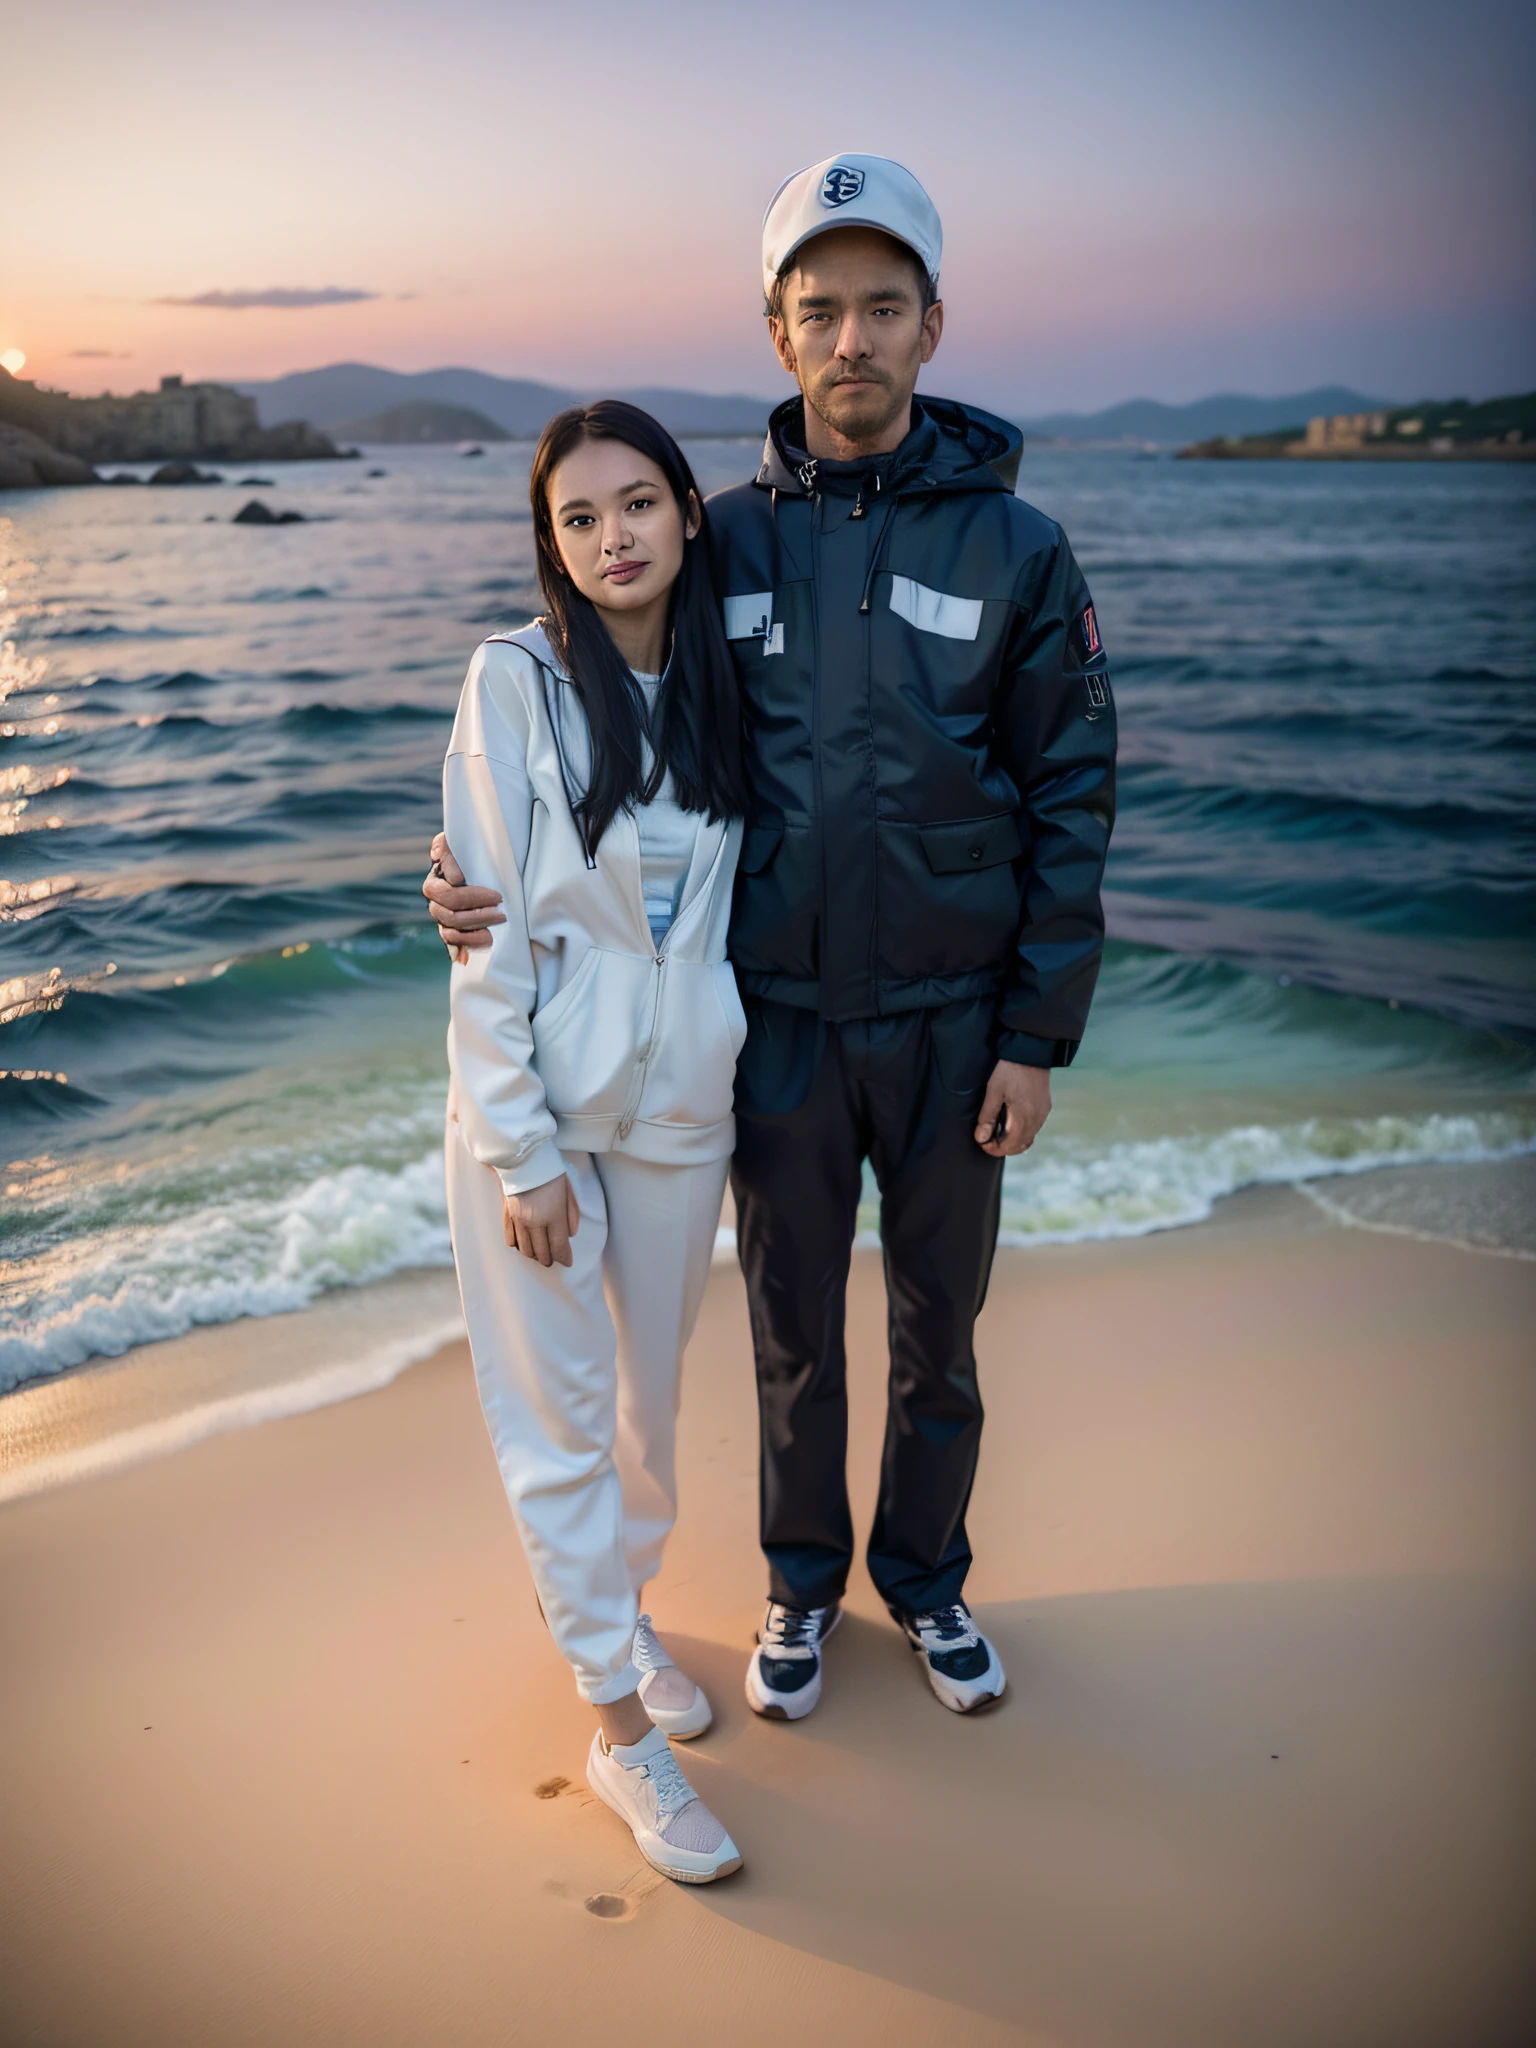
x=611, y=1906
x=619, y=1905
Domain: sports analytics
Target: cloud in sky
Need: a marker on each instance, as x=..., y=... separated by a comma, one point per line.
x=287, y=298
x=105, y=355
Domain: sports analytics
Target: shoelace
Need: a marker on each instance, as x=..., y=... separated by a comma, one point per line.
x=672, y=1789
x=646, y=1653
x=791, y=1628
x=952, y=1625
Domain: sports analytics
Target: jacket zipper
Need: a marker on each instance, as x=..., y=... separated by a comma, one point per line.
x=637, y=1079
x=659, y=960
x=816, y=719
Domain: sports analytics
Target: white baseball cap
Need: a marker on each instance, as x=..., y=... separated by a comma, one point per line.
x=851, y=192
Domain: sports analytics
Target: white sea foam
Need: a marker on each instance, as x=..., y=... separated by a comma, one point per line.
x=1070, y=1192
x=239, y=1255
x=246, y=1255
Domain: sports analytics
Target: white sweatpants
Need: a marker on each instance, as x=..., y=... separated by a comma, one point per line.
x=580, y=1387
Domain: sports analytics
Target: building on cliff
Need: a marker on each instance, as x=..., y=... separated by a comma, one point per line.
x=1344, y=430
x=179, y=421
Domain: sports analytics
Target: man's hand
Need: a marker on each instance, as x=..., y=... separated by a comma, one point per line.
x=462, y=914
x=1023, y=1096
x=542, y=1223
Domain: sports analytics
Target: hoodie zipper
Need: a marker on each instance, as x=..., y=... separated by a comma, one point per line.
x=636, y=1088
x=659, y=956
x=637, y=1079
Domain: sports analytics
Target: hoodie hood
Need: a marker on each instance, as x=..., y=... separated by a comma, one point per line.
x=951, y=447
x=535, y=639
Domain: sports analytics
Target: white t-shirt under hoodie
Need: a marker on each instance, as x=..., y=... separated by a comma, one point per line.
x=667, y=835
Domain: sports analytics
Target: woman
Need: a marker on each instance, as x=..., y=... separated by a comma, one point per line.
x=595, y=778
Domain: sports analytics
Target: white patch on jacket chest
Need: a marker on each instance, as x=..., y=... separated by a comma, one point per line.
x=774, y=644
x=749, y=617
x=935, y=611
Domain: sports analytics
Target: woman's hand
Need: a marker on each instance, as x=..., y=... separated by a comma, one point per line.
x=542, y=1223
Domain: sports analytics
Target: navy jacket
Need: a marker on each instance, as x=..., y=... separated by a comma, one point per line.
x=931, y=734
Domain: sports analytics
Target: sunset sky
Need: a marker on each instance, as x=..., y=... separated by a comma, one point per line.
x=1138, y=199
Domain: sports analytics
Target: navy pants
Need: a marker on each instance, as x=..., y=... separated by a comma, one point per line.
x=813, y=1101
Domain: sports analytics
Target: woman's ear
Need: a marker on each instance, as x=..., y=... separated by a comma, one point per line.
x=694, y=517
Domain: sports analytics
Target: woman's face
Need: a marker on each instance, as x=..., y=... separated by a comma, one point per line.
x=618, y=527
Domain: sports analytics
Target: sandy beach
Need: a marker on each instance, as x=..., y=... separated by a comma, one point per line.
x=289, y=1757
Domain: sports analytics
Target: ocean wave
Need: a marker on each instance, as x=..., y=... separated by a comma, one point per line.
x=263, y=1254
x=235, y=1255
x=1288, y=797
x=1070, y=1192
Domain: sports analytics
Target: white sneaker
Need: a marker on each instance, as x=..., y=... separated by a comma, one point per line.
x=673, y=1829
x=784, y=1676
x=961, y=1665
x=669, y=1696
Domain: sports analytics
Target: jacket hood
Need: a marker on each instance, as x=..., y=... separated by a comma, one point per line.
x=535, y=641
x=952, y=447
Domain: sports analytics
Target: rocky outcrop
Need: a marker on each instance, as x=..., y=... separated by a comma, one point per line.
x=257, y=514
x=422, y=420
x=26, y=460
x=179, y=422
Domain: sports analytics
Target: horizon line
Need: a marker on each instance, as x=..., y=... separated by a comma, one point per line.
x=1014, y=411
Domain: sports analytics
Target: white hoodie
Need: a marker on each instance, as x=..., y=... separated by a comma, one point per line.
x=572, y=1029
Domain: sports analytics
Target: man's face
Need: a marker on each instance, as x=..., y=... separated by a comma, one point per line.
x=854, y=335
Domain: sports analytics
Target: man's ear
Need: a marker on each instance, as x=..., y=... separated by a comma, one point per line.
x=693, y=519
x=933, y=328
x=778, y=334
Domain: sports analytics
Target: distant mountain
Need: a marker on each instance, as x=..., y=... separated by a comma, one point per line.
x=1145, y=419
x=698, y=412
x=420, y=420
x=347, y=392
x=342, y=394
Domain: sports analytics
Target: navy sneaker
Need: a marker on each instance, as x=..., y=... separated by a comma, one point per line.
x=784, y=1676
x=959, y=1662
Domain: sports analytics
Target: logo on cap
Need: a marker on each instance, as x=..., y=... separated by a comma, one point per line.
x=840, y=185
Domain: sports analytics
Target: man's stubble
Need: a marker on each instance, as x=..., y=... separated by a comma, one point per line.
x=862, y=419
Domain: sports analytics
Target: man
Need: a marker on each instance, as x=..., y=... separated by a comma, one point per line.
x=917, y=924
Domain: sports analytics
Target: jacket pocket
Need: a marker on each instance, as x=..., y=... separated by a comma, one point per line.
x=971, y=843
x=731, y=1007
x=774, y=918
x=589, y=1036
x=950, y=896
x=759, y=843
x=700, y=1027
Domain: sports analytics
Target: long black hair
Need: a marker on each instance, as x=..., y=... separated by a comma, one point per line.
x=696, y=731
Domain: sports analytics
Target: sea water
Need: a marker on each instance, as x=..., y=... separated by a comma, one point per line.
x=222, y=1009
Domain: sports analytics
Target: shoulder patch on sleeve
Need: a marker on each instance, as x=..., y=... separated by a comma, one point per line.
x=1088, y=626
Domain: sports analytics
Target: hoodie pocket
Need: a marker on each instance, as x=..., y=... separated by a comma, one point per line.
x=591, y=1034
x=700, y=1027
x=730, y=1003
